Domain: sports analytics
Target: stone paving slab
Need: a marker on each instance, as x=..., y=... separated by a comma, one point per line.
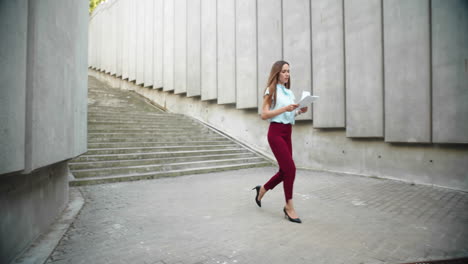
x=212, y=218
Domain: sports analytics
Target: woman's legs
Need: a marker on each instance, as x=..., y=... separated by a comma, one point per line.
x=279, y=138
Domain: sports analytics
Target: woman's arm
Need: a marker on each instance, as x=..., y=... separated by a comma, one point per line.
x=267, y=113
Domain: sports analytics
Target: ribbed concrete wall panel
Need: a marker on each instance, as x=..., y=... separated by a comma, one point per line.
x=168, y=45
x=118, y=36
x=78, y=82
x=364, y=68
x=113, y=37
x=180, y=45
x=13, y=17
x=132, y=48
x=246, y=54
x=148, y=42
x=407, y=71
x=270, y=44
x=140, y=38
x=108, y=44
x=193, y=48
x=208, y=50
x=297, y=47
x=226, y=51
x=450, y=71
x=158, y=44
x=99, y=38
x=125, y=37
x=328, y=63
x=56, y=82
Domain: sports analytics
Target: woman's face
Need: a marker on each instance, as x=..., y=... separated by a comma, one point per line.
x=284, y=74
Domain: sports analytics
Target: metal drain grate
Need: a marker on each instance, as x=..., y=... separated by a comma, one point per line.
x=446, y=261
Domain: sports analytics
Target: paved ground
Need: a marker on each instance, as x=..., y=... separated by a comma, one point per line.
x=212, y=218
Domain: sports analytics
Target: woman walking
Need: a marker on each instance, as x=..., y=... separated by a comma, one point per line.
x=279, y=108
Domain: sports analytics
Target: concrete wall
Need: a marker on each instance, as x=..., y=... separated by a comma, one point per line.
x=168, y=45
x=158, y=44
x=391, y=75
x=450, y=71
x=30, y=203
x=43, y=113
x=209, y=90
x=246, y=54
x=14, y=31
x=194, y=48
x=226, y=51
x=269, y=42
x=148, y=43
x=364, y=68
x=297, y=47
x=407, y=71
x=328, y=63
x=180, y=45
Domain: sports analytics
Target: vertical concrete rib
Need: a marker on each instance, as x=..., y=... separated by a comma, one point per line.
x=226, y=43
x=246, y=54
x=449, y=71
x=269, y=41
x=208, y=50
x=193, y=48
x=407, y=73
x=328, y=67
x=363, y=71
x=296, y=36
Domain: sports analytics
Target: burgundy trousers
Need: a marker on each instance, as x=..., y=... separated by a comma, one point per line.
x=279, y=138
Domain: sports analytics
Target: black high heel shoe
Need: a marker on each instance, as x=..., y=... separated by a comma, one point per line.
x=259, y=203
x=295, y=220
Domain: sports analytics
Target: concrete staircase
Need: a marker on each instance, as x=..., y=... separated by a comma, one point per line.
x=130, y=139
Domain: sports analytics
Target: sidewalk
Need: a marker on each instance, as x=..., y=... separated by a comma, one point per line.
x=212, y=218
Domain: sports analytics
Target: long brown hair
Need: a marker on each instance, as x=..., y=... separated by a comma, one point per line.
x=273, y=81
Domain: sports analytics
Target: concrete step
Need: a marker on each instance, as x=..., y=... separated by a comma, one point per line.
x=174, y=138
x=133, y=123
x=155, y=144
x=105, y=172
x=139, y=162
x=134, y=116
x=185, y=133
x=100, y=111
x=132, y=150
x=159, y=155
x=161, y=174
x=142, y=130
x=131, y=139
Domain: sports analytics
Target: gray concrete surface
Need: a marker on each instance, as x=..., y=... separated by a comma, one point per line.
x=193, y=50
x=226, y=49
x=407, y=69
x=246, y=53
x=158, y=44
x=13, y=52
x=148, y=42
x=180, y=46
x=208, y=56
x=297, y=47
x=41, y=248
x=212, y=218
x=328, y=69
x=269, y=41
x=450, y=71
x=364, y=68
x=29, y=204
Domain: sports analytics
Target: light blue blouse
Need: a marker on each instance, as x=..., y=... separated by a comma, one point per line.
x=284, y=97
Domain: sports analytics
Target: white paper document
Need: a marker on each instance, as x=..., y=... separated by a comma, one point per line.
x=306, y=99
